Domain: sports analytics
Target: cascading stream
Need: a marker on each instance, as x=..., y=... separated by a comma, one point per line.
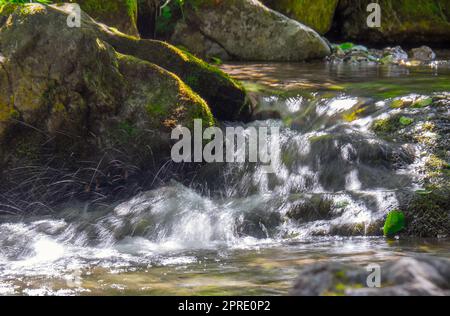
x=333, y=177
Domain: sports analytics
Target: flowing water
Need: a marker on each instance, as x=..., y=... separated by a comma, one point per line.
x=233, y=229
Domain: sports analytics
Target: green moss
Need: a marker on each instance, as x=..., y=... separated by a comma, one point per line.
x=427, y=214
x=385, y=126
x=7, y=113
x=408, y=21
x=155, y=109
x=7, y=8
x=341, y=284
x=222, y=76
x=173, y=101
x=121, y=14
x=128, y=128
x=225, y=96
x=354, y=115
x=316, y=14
x=437, y=167
x=405, y=121
x=109, y=7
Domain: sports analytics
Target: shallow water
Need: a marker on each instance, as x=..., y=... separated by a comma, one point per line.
x=228, y=232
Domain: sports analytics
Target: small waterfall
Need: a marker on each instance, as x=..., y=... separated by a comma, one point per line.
x=333, y=177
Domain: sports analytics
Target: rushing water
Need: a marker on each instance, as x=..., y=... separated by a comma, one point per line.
x=235, y=229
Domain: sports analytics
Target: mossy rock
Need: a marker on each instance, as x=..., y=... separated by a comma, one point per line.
x=121, y=14
x=403, y=22
x=69, y=105
x=311, y=208
x=428, y=213
x=316, y=14
x=387, y=126
x=225, y=96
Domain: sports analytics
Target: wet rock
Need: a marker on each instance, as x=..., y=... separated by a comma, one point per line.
x=421, y=275
x=394, y=55
x=350, y=53
x=312, y=208
x=357, y=54
x=247, y=30
x=423, y=53
x=422, y=122
x=258, y=223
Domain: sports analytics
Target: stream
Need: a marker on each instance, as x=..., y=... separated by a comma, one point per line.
x=232, y=229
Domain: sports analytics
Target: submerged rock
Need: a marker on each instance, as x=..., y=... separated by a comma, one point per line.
x=247, y=30
x=422, y=275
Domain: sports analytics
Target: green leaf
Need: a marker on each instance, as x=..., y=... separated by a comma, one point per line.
x=394, y=223
x=405, y=121
x=346, y=46
x=166, y=13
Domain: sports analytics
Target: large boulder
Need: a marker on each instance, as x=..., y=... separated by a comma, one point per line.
x=248, y=30
x=402, y=22
x=225, y=96
x=186, y=36
x=67, y=97
x=317, y=14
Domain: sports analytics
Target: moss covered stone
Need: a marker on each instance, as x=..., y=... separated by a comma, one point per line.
x=121, y=14
x=225, y=96
x=428, y=213
x=84, y=101
x=317, y=14
x=403, y=21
